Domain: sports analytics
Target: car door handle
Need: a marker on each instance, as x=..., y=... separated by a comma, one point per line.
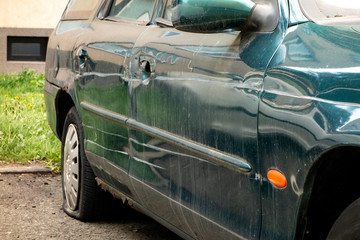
x=147, y=67
x=83, y=56
x=147, y=64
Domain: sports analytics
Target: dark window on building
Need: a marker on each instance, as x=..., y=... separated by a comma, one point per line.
x=26, y=48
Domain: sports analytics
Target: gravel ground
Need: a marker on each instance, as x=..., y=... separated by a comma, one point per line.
x=30, y=208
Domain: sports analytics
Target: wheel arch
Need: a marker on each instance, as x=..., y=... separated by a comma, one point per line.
x=63, y=104
x=328, y=190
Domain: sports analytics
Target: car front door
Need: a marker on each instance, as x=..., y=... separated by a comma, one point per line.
x=101, y=58
x=194, y=138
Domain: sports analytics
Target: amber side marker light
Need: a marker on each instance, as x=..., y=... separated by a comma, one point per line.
x=277, y=178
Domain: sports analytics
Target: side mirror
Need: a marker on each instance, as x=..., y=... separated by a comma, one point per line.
x=217, y=15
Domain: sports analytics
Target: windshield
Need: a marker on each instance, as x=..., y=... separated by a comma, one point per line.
x=332, y=11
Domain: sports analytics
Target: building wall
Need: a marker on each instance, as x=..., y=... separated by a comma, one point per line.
x=26, y=18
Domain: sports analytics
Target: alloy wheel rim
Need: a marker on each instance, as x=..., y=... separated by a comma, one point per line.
x=71, y=167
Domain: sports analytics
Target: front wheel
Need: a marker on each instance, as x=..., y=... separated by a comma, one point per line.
x=347, y=226
x=81, y=195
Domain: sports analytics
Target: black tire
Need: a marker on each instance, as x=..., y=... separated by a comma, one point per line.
x=81, y=195
x=347, y=225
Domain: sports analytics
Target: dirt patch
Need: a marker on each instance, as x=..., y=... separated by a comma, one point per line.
x=30, y=208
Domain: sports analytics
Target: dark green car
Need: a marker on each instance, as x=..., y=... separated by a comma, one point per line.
x=221, y=119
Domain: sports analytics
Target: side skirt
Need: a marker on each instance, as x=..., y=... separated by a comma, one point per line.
x=141, y=209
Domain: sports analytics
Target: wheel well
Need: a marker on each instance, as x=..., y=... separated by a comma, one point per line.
x=63, y=104
x=332, y=185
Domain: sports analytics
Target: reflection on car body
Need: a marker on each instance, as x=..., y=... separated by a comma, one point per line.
x=221, y=119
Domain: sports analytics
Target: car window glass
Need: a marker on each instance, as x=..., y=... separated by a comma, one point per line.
x=167, y=14
x=140, y=10
x=79, y=9
x=323, y=10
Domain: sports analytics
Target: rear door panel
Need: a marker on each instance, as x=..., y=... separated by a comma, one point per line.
x=102, y=89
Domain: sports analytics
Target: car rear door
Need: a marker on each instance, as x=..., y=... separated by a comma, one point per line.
x=194, y=137
x=101, y=59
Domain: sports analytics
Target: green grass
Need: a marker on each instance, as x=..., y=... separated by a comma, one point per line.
x=24, y=132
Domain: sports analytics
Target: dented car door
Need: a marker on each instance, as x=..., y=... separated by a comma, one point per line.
x=103, y=88
x=194, y=127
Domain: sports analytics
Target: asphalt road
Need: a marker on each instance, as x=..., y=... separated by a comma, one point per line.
x=30, y=208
